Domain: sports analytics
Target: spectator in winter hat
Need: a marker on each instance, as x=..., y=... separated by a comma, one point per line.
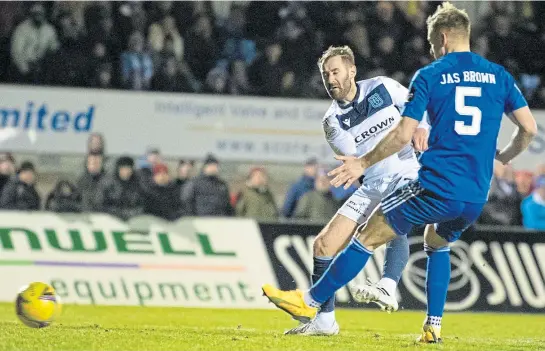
x=207, y=194
x=20, y=192
x=162, y=197
x=122, y=195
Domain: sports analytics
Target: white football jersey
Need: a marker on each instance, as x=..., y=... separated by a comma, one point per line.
x=354, y=129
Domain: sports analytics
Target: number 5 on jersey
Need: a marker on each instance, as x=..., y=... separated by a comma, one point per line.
x=462, y=109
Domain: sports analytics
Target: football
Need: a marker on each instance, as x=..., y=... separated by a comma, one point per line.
x=37, y=305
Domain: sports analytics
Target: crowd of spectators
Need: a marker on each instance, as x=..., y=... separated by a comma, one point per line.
x=146, y=186
x=246, y=47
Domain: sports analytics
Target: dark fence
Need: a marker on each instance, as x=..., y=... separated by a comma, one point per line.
x=493, y=268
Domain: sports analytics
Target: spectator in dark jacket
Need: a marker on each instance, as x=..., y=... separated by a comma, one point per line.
x=203, y=56
x=503, y=206
x=162, y=197
x=146, y=164
x=266, y=72
x=7, y=169
x=207, y=194
x=64, y=198
x=122, y=195
x=68, y=65
x=88, y=182
x=184, y=172
x=20, y=193
x=298, y=189
x=169, y=78
x=503, y=41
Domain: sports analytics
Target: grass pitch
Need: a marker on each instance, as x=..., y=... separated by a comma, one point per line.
x=146, y=328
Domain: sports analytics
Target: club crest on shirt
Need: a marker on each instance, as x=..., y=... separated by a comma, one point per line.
x=375, y=100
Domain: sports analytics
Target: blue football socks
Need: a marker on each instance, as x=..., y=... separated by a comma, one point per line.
x=341, y=271
x=437, y=279
x=397, y=256
x=320, y=266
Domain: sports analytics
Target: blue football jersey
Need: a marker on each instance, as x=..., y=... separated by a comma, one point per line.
x=465, y=96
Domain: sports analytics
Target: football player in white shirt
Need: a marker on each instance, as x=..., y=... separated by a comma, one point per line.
x=361, y=114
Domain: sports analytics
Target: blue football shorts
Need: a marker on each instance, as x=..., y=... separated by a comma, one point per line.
x=412, y=205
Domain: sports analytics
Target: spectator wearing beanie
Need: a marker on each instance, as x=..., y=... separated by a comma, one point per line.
x=207, y=194
x=162, y=197
x=533, y=207
x=121, y=195
x=20, y=192
x=256, y=200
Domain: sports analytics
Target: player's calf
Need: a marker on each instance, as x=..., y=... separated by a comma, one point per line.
x=332, y=239
x=437, y=281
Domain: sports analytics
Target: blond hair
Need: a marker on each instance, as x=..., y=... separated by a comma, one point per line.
x=451, y=18
x=344, y=51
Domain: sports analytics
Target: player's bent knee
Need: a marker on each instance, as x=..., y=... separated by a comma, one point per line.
x=320, y=248
x=432, y=240
x=376, y=233
x=333, y=237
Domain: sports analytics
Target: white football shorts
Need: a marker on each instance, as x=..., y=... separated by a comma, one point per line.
x=366, y=199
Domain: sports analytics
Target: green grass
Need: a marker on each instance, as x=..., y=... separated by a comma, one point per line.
x=146, y=328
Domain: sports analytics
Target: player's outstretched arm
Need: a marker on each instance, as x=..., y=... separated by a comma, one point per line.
x=392, y=143
x=526, y=131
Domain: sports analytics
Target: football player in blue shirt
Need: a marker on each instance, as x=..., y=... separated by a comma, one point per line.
x=465, y=96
